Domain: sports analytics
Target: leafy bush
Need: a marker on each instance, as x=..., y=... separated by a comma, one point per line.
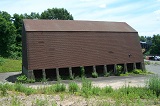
x=82, y=71
x=60, y=87
x=94, y=74
x=137, y=71
x=73, y=87
x=86, y=87
x=22, y=79
x=154, y=84
x=119, y=70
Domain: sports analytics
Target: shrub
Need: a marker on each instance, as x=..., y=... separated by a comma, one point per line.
x=3, y=90
x=94, y=74
x=73, y=87
x=153, y=83
x=96, y=90
x=137, y=71
x=107, y=74
x=86, y=87
x=22, y=79
x=108, y=89
x=21, y=88
x=132, y=93
x=60, y=87
x=86, y=84
x=119, y=70
x=82, y=71
x=31, y=81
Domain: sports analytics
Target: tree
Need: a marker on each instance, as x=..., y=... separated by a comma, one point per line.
x=155, y=48
x=56, y=13
x=33, y=15
x=142, y=38
x=149, y=39
x=5, y=15
x=7, y=37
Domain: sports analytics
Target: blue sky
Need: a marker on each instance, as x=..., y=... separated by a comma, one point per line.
x=142, y=15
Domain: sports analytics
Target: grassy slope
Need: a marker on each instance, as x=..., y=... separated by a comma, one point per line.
x=10, y=65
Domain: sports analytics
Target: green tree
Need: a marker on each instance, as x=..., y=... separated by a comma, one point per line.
x=149, y=39
x=142, y=38
x=155, y=48
x=7, y=37
x=56, y=13
x=33, y=15
x=5, y=15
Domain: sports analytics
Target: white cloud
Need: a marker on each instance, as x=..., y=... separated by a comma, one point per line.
x=157, y=12
x=103, y=6
x=86, y=0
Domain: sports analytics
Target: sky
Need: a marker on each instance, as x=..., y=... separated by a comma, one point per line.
x=142, y=15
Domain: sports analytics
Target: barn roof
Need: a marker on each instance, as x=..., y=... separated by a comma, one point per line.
x=75, y=25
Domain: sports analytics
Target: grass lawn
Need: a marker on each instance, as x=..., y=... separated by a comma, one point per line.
x=10, y=65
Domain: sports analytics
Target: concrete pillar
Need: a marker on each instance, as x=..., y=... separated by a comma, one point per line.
x=94, y=68
x=105, y=69
x=70, y=72
x=134, y=66
x=143, y=66
x=125, y=68
x=30, y=74
x=43, y=73
x=115, y=70
x=24, y=71
x=57, y=72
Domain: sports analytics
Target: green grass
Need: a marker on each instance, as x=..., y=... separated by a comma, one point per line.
x=124, y=96
x=10, y=65
x=153, y=83
x=73, y=87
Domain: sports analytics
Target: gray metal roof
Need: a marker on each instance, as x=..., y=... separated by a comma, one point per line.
x=75, y=25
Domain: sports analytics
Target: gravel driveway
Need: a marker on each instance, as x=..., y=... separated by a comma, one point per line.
x=114, y=81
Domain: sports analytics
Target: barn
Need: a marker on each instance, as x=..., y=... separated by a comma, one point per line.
x=53, y=48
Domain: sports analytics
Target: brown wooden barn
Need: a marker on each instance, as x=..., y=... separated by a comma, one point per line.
x=59, y=47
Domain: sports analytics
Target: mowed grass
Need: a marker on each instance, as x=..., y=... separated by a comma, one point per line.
x=10, y=65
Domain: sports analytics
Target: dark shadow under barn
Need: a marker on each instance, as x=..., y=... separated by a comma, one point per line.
x=100, y=70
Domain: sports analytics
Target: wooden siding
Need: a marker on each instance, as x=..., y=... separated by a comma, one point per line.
x=47, y=50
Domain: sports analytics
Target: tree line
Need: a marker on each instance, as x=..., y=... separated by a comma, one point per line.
x=11, y=29
x=155, y=44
